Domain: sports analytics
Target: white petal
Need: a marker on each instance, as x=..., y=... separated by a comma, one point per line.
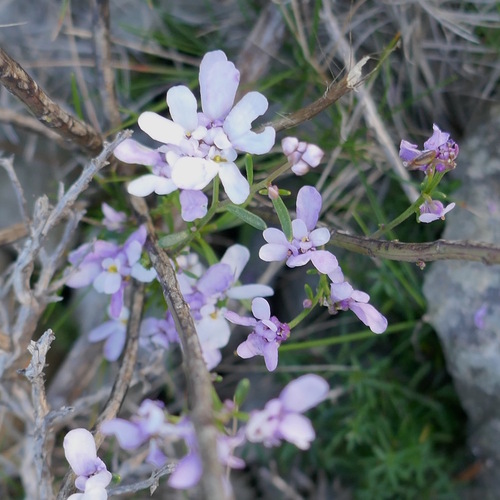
x=236, y=257
x=249, y=291
x=214, y=333
x=298, y=430
x=183, y=107
x=161, y=129
x=235, y=184
x=80, y=450
x=261, y=308
x=149, y=183
x=239, y=120
x=193, y=173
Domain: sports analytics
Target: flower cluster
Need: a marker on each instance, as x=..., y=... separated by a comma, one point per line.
x=301, y=155
x=197, y=146
x=439, y=155
x=109, y=267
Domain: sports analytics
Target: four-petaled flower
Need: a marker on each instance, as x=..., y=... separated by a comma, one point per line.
x=439, y=153
x=267, y=335
x=92, y=474
x=432, y=210
x=282, y=419
x=306, y=239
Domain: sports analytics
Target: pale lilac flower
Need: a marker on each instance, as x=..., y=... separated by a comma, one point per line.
x=113, y=220
x=432, y=210
x=148, y=425
x=301, y=155
x=92, y=474
x=306, y=239
x=157, y=332
x=109, y=267
x=344, y=297
x=439, y=153
x=267, y=335
x=114, y=332
x=282, y=419
x=193, y=204
x=199, y=146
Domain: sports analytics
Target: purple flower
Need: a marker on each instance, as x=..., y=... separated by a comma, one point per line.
x=439, y=153
x=114, y=332
x=91, y=471
x=306, y=239
x=301, y=155
x=344, y=297
x=155, y=332
x=432, y=210
x=194, y=204
x=148, y=424
x=267, y=335
x=113, y=220
x=109, y=267
x=479, y=317
x=282, y=419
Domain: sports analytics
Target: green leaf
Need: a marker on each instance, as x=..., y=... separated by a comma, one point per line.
x=171, y=240
x=248, y=217
x=249, y=168
x=207, y=251
x=284, y=217
x=76, y=97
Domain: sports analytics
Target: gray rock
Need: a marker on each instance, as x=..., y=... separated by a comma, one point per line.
x=455, y=290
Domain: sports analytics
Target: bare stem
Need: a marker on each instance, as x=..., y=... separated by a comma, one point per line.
x=197, y=375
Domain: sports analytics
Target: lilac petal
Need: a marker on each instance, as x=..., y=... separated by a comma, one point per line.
x=324, y=261
x=235, y=184
x=183, y=107
x=319, y=236
x=129, y=435
x=299, y=260
x=298, y=430
x=252, y=346
x=437, y=139
x=313, y=155
x=103, y=331
x=115, y=344
x=161, y=129
x=289, y=145
x=236, y=257
x=304, y=393
x=360, y=296
x=219, y=80
x=216, y=280
x=427, y=218
x=155, y=455
x=340, y=291
x=150, y=183
x=337, y=276
x=116, y=306
x=270, y=353
x=130, y=151
x=273, y=235
x=273, y=252
x=187, y=472
x=299, y=229
x=408, y=151
x=80, y=451
x=239, y=320
x=83, y=275
x=309, y=206
x=194, y=204
x=261, y=308
x=108, y=283
x=193, y=173
x=249, y=291
x=369, y=316
x=212, y=357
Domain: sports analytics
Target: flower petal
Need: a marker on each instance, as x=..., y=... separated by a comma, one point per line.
x=130, y=151
x=309, y=204
x=80, y=451
x=304, y=393
x=375, y=321
x=298, y=430
x=161, y=129
x=183, y=107
x=193, y=173
x=236, y=257
x=249, y=291
x=187, y=473
x=324, y=261
x=235, y=184
x=261, y=308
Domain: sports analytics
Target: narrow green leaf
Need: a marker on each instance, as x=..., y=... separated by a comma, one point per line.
x=248, y=217
x=171, y=240
x=249, y=168
x=284, y=217
x=76, y=97
x=207, y=251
